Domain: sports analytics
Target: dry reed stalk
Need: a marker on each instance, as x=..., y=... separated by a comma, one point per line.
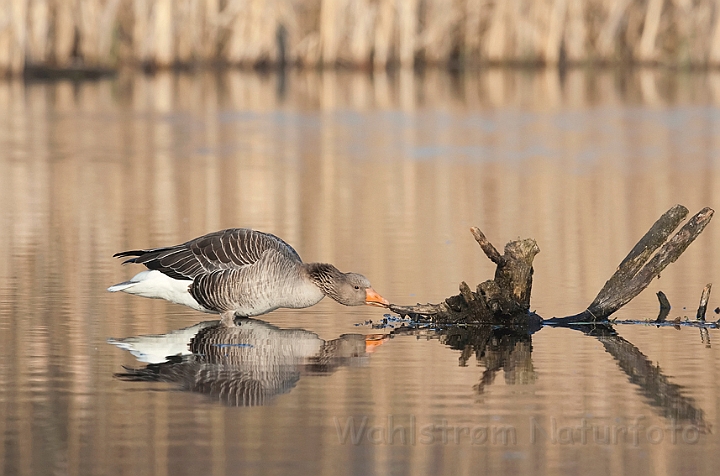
x=575, y=40
x=264, y=32
x=606, y=40
x=64, y=27
x=254, y=29
x=496, y=42
x=439, y=34
x=12, y=36
x=162, y=27
x=38, y=31
x=360, y=33
x=384, y=27
x=96, y=27
x=714, y=53
x=683, y=42
x=555, y=31
x=633, y=24
x=106, y=30
x=534, y=29
x=355, y=32
x=331, y=15
x=254, y=49
x=187, y=19
x=284, y=32
x=208, y=47
x=307, y=51
x=646, y=47
x=695, y=24
x=238, y=25
x=472, y=35
x=707, y=30
x=141, y=35
x=88, y=31
x=407, y=31
x=289, y=31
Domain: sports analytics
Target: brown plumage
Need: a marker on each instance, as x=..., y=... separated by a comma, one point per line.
x=241, y=272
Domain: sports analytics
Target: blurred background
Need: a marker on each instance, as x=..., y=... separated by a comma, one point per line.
x=372, y=135
x=367, y=34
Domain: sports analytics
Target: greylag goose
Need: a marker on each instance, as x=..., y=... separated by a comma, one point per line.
x=241, y=272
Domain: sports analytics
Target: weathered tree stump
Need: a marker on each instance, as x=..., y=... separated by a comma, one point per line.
x=505, y=300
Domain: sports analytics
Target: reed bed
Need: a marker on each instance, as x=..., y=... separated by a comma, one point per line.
x=356, y=33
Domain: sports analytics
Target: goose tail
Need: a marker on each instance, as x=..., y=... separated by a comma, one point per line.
x=121, y=286
x=154, y=284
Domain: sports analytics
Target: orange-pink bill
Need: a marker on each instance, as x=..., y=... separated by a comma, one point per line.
x=373, y=341
x=374, y=299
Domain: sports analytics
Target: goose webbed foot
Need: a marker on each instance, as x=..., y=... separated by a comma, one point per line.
x=227, y=319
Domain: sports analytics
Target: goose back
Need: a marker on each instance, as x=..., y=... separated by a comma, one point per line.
x=230, y=249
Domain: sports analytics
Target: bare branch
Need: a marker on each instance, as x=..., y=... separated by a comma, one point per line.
x=703, y=302
x=487, y=247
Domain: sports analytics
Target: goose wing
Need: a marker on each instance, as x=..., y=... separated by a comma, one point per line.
x=234, y=248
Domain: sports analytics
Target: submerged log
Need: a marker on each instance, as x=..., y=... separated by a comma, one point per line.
x=505, y=300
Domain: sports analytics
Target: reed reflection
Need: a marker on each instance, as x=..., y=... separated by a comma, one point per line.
x=245, y=365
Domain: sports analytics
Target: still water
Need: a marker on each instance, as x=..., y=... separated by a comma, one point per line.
x=381, y=175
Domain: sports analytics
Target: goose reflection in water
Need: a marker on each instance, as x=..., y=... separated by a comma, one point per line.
x=244, y=365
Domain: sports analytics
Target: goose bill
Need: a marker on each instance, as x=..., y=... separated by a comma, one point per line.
x=374, y=299
x=373, y=341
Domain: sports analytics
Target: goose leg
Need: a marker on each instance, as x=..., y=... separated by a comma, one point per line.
x=227, y=319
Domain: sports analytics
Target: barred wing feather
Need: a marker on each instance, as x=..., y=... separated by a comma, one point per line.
x=234, y=248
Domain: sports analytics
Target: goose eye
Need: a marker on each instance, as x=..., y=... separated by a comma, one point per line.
x=357, y=287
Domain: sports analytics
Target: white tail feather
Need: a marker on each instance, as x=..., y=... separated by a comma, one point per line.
x=120, y=286
x=154, y=284
x=155, y=349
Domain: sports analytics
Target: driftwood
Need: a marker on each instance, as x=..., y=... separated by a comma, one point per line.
x=505, y=300
x=703, y=302
x=664, y=307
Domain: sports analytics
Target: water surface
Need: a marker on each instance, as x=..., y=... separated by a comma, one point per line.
x=381, y=175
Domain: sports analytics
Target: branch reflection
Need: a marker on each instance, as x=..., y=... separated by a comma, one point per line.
x=496, y=348
x=509, y=350
x=667, y=397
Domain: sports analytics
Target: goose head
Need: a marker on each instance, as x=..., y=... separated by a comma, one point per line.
x=350, y=289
